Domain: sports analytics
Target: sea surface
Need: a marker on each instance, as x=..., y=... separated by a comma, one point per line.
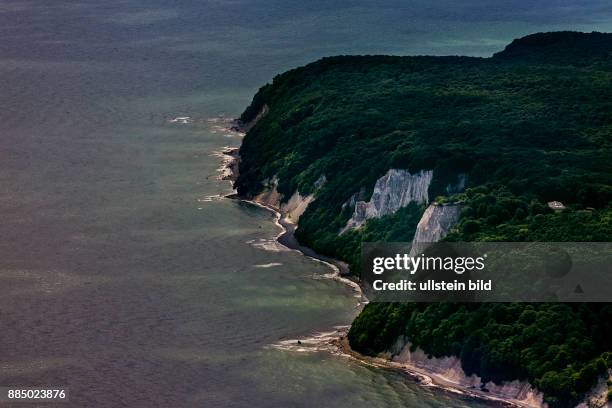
x=123, y=276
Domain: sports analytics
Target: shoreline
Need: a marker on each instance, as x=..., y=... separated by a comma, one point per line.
x=339, y=343
x=229, y=172
x=287, y=239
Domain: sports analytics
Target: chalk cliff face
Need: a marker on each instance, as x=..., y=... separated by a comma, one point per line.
x=244, y=127
x=291, y=210
x=435, y=223
x=598, y=396
x=270, y=197
x=295, y=207
x=355, y=198
x=394, y=190
x=449, y=370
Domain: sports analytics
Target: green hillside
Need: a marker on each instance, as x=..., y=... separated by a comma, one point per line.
x=529, y=125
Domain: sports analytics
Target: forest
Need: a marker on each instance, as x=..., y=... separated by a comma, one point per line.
x=529, y=125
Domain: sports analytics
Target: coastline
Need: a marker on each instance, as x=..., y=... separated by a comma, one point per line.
x=229, y=172
x=338, y=343
x=427, y=378
x=287, y=239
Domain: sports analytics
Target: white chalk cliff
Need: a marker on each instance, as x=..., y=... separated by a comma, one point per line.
x=394, y=190
x=598, y=396
x=295, y=207
x=291, y=210
x=436, y=222
x=448, y=370
x=354, y=199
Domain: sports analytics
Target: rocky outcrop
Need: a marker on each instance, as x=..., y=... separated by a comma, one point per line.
x=448, y=370
x=291, y=210
x=230, y=164
x=355, y=198
x=320, y=181
x=436, y=222
x=244, y=127
x=269, y=197
x=598, y=396
x=295, y=207
x=394, y=190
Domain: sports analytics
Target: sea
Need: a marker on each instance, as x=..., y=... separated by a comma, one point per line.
x=125, y=276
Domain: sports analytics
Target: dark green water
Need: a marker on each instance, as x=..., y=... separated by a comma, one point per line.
x=119, y=277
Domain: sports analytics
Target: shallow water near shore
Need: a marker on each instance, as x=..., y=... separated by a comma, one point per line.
x=123, y=275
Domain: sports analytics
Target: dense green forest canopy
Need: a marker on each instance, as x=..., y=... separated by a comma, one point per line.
x=529, y=125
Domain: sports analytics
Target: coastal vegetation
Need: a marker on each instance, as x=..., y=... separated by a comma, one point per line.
x=562, y=349
x=530, y=125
